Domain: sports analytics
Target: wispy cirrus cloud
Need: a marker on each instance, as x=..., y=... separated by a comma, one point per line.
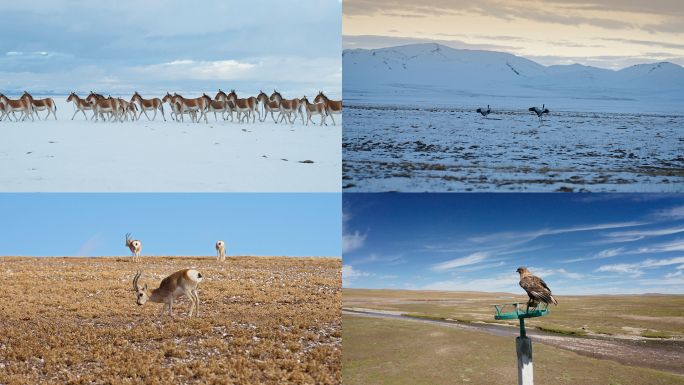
x=527, y=236
x=454, y=263
x=600, y=255
x=373, y=258
x=637, y=269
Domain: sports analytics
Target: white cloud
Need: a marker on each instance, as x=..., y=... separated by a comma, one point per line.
x=350, y=241
x=481, y=267
x=570, y=275
x=349, y=275
x=373, y=258
x=603, y=254
x=636, y=269
x=469, y=260
x=531, y=235
x=388, y=277
x=672, y=214
x=281, y=69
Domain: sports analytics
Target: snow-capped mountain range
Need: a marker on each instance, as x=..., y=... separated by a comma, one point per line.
x=434, y=69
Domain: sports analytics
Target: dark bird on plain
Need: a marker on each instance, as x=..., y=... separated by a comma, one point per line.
x=484, y=112
x=535, y=287
x=540, y=112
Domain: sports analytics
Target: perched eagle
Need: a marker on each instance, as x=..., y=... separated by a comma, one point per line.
x=535, y=287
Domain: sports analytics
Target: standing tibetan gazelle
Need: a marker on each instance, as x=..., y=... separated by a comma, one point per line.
x=170, y=288
x=135, y=247
x=220, y=251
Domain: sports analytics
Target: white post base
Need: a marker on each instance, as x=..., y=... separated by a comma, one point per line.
x=523, y=347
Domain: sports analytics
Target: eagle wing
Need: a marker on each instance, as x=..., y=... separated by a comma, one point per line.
x=536, y=288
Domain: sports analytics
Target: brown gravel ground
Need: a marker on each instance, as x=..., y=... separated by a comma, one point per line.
x=262, y=320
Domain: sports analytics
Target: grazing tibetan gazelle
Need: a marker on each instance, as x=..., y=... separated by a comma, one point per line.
x=170, y=288
x=221, y=251
x=135, y=247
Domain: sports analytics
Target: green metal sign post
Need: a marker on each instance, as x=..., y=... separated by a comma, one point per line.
x=523, y=345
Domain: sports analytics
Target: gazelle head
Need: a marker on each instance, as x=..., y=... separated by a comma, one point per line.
x=141, y=296
x=128, y=240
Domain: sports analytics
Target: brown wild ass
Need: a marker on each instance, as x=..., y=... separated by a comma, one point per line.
x=41, y=105
x=269, y=106
x=198, y=104
x=221, y=96
x=245, y=106
x=148, y=105
x=311, y=109
x=287, y=106
x=333, y=107
x=80, y=105
x=175, y=108
x=111, y=106
x=22, y=105
x=217, y=106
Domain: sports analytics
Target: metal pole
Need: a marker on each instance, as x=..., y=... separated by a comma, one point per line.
x=523, y=347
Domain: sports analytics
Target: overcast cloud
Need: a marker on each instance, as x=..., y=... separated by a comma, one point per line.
x=170, y=45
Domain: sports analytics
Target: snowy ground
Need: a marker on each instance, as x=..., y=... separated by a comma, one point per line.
x=165, y=156
x=416, y=148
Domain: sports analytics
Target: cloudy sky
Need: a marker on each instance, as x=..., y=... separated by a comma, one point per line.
x=170, y=45
x=579, y=244
x=604, y=33
x=171, y=224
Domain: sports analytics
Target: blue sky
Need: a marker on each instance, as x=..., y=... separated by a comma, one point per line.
x=171, y=224
x=579, y=244
x=170, y=45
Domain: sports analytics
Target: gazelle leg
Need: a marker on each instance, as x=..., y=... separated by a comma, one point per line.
x=171, y=308
x=164, y=308
x=194, y=292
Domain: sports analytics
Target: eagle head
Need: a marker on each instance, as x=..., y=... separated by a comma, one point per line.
x=522, y=271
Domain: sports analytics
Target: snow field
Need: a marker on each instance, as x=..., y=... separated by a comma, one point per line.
x=404, y=148
x=165, y=156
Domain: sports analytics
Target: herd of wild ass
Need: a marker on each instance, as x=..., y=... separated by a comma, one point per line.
x=118, y=109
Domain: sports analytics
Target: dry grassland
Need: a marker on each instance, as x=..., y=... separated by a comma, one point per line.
x=617, y=316
x=262, y=320
x=387, y=351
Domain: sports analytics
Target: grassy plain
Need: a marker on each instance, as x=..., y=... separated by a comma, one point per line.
x=262, y=320
x=629, y=316
x=387, y=351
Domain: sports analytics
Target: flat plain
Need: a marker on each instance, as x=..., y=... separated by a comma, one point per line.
x=644, y=331
x=403, y=148
x=389, y=351
x=67, y=155
x=262, y=320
